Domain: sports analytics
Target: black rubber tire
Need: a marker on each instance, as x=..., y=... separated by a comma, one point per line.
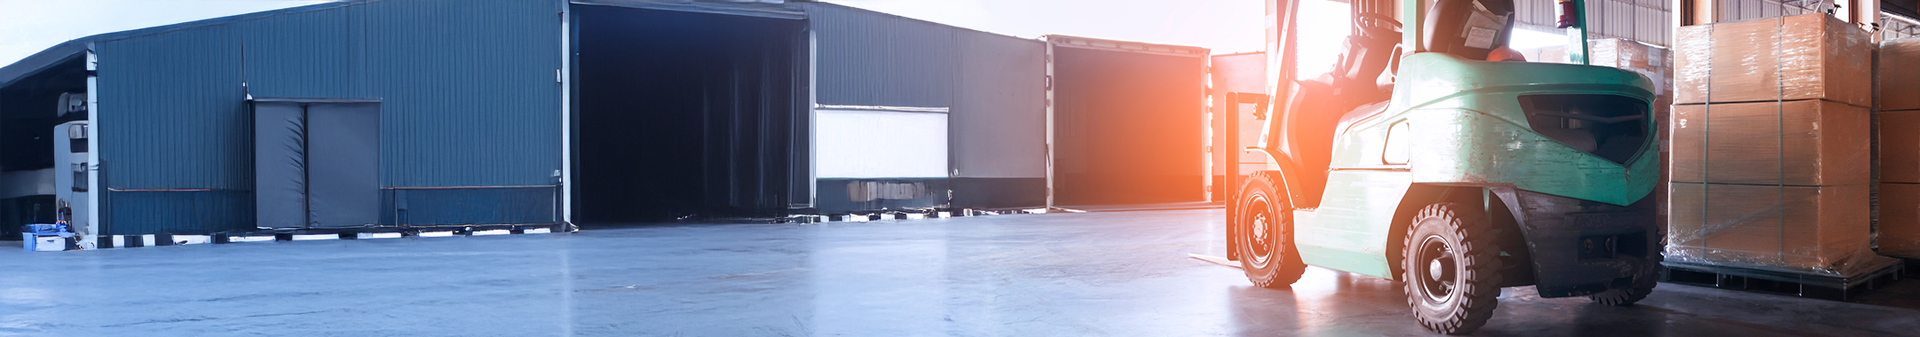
x=1456, y=241
x=1267, y=252
x=1643, y=281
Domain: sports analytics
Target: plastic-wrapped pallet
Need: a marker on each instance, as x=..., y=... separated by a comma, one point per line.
x=1812, y=56
x=1899, y=99
x=1899, y=74
x=1771, y=146
x=1900, y=220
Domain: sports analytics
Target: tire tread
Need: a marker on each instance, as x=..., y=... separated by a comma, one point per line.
x=1483, y=257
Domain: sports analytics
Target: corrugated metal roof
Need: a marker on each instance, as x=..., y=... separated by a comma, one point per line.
x=767, y=9
x=66, y=50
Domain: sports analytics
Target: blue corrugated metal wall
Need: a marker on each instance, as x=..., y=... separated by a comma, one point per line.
x=467, y=91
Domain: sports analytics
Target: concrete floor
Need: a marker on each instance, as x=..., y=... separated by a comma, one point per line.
x=1121, y=273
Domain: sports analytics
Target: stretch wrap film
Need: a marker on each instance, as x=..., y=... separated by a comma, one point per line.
x=1812, y=56
x=1900, y=220
x=1899, y=98
x=1772, y=146
x=1899, y=74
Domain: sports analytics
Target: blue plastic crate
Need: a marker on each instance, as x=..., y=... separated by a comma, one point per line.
x=43, y=229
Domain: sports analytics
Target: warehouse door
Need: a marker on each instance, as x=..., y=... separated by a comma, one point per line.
x=316, y=164
x=1129, y=126
x=685, y=115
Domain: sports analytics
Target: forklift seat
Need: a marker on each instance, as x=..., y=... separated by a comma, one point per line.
x=1361, y=76
x=1468, y=28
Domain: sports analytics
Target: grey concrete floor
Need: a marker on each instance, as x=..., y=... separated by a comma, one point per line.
x=1121, y=273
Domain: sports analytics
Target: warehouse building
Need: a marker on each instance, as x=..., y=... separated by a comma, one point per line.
x=441, y=112
x=325, y=116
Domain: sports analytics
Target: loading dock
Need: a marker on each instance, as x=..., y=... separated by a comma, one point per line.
x=29, y=112
x=683, y=114
x=1128, y=122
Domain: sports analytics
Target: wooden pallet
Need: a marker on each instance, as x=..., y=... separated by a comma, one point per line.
x=1829, y=287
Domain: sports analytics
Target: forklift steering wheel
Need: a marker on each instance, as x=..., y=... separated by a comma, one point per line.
x=1379, y=23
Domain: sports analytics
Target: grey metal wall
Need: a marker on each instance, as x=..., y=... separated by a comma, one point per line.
x=1234, y=73
x=1640, y=20
x=1737, y=10
x=998, y=122
x=1896, y=28
x=467, y=88
x=872, y=58
x=993, y=86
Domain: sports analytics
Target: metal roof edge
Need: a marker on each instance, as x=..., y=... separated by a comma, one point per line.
x=754, y=9
x=311, y=100
x=61, y=52
x=1127, y=46
x=829, y=4
x=40, y=61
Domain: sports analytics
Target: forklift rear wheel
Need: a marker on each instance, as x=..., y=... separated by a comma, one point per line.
x=1451, y=268
x=1265, y=239
x=1643, y=281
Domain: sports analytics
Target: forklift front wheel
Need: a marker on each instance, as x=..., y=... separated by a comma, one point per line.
x=1452, y=268
x=1265, y=240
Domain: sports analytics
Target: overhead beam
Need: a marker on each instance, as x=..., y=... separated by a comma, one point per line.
x=1693, y=12
x=1906, y=8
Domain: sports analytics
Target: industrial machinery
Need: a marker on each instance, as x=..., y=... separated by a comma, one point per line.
x=70, y=180
x=1419, y=160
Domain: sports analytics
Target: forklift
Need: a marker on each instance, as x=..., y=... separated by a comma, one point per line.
x=1431, y=156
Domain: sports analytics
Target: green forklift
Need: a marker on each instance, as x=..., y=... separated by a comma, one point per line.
x=1424, y=158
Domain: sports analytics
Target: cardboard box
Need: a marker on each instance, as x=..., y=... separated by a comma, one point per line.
x=1641, y=58
x=1555, y=54
x=1900, y=146
x=1811, y=228
x=1899, y=74
x=1811, y=56
x=1656, y=63
x=1900, y=220
x=1807, y=143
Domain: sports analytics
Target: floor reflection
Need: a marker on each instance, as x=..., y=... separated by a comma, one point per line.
x=1093, y=274
x=885, y=286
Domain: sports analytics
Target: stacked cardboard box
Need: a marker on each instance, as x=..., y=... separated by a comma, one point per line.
x=1771, y=146
x=1654, y=62
x=1899, y=103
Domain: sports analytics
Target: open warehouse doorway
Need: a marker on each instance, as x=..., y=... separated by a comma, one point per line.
x=1129, y=122
x=685, y=115
x=43, y=144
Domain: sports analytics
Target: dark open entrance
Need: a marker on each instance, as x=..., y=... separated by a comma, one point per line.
x=683, y=115
x=30, y=108
x=1129, y=127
